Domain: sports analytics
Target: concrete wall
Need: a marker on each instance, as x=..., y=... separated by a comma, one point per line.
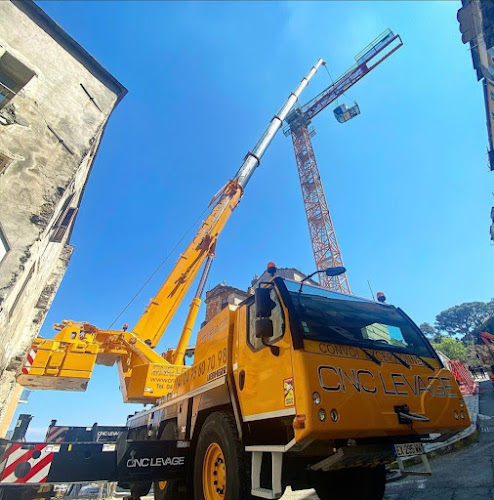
x=44, y=176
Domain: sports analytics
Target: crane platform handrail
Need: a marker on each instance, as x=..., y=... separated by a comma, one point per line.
x=354, y=73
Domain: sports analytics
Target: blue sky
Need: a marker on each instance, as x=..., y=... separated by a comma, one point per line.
x=406, y=181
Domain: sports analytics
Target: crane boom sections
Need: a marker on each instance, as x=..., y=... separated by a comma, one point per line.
x=163, y=306
x=252, y=160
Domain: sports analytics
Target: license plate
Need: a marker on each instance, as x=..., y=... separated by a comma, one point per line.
x=409, y=449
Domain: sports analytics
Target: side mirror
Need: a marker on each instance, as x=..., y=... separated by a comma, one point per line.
x=264, y=304
x=264, y=328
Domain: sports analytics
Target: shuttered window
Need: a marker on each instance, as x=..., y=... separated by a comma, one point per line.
x=13, y=76
x=4, y=245
x=63, y=224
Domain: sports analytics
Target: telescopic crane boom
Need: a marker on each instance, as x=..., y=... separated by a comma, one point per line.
x=161, y=309
x=67, y=361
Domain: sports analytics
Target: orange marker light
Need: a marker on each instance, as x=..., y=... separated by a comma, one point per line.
x=299, y=421
x=271, y=268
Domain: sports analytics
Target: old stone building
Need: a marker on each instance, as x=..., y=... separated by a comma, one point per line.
x=55, y=102
x=284, y=272
x=221, y=296
x=477, y=29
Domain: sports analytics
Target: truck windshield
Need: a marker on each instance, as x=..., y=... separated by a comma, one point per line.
x=344, y=319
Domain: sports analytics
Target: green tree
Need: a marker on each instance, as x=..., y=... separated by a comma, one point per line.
x=464, y=319
x=431, y=332
x=453, y=348
x=486, y=326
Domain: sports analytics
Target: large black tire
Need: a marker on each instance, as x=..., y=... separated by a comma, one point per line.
x=358, y=483
x=174, y=489
x=219, y=430
x=138, y=490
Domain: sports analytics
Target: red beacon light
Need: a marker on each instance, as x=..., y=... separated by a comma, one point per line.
x=271, y=268
x=381, y=297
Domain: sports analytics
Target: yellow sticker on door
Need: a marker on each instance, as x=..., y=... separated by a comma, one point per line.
x=288, y=392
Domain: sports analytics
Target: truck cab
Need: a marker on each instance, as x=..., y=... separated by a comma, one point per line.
x=305, y=387
x=342, y=367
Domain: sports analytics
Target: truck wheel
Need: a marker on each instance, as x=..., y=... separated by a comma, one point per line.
x=359, y=483
x=138, y=490
x=173, y=489
x=219, y=464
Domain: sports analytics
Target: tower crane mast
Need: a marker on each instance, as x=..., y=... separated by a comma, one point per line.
x=322, y=234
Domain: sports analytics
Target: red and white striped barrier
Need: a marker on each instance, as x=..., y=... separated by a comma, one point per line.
x=468, y=386
x=29, y=360
x=56, y=434
x=20, y=465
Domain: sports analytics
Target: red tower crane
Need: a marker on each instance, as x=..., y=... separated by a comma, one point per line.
x=322, y=234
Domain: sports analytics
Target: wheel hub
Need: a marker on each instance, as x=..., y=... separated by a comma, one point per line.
x=214, y=473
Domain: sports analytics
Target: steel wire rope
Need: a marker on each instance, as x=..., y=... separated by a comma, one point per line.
x=170, y=253
x=332, y=81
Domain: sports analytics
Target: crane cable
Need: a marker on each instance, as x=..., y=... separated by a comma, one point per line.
x=159, y=267
x=332, y=81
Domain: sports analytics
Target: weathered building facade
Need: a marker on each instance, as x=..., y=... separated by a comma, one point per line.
x=55, y=102
x=477, y=29
x=221, y=296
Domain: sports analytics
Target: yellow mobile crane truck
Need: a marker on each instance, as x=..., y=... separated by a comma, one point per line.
x=298, y=385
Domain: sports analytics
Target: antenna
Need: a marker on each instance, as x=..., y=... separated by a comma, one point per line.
x=370, y=288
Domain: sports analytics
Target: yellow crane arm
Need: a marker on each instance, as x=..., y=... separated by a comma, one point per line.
x=163, y=306
x=67, y=361
x=161, y=309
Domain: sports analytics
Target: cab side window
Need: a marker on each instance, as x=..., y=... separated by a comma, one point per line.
x=278, y=318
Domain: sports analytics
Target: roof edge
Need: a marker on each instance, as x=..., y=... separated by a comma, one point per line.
x=46, y=23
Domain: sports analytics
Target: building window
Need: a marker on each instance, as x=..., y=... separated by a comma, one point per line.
x=4, y=160
x=4, y=245
x=492, y=115
x=63, y=223
x=492, y=95
x=13, y=76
